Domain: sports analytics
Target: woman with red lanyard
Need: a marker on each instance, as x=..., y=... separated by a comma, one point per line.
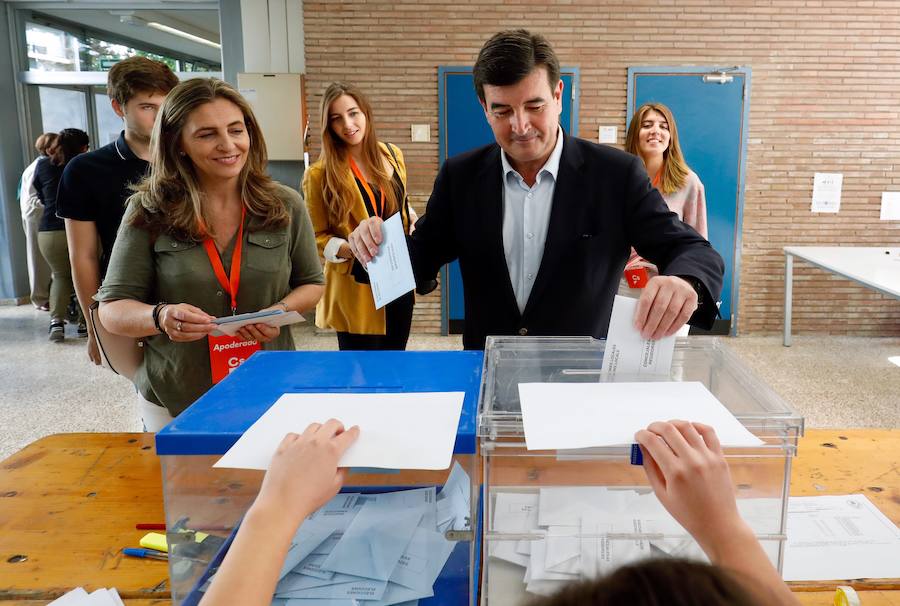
x=356, y=177
x=653, y=137
x=207, y=234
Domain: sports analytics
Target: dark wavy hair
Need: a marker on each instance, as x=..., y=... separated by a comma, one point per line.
x=69, y=143
x=657, y=582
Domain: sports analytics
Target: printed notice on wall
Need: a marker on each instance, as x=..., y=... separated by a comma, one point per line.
x=827, y=192
x=890, y=206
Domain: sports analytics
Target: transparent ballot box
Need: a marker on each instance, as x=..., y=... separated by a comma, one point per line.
x=552, y=517
x=390, y=536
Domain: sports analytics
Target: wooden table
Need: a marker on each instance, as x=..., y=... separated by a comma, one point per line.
x=69, y=503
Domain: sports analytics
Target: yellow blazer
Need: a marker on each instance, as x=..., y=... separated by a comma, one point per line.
x=347, y=305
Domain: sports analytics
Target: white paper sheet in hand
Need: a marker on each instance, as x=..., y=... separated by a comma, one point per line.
x=275, y=320
x=390, y=272
x=385, y=420
x=627, y=353
x=583, y=415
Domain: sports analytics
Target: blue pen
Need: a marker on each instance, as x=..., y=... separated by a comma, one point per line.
x=140, y=552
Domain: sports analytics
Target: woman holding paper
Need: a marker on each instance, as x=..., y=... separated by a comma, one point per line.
x=653, y=137
x=207, y=234
x=356, y=177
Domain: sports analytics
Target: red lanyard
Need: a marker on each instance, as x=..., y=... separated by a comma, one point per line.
x=231, y=282
x=379, y=208
x=658, y=178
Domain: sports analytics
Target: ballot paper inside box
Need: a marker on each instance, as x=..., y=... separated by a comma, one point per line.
x=556, y=516
x=391, y=536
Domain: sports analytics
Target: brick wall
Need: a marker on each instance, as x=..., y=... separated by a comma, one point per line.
x=825, y=97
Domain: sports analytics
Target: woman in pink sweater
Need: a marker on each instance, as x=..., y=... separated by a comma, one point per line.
x=653, y=137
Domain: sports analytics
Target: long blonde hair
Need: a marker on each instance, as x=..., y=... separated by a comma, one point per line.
x=675, y=169
x=170, y=198
x=337, y=192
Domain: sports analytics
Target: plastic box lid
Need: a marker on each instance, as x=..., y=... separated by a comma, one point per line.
x=218, y=419
x=509, y=361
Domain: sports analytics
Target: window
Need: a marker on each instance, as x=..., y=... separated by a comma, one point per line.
x=52, y=49
x=109, y=125
x=62, y=108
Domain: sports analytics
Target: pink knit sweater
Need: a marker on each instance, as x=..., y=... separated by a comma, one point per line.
x=689, y=203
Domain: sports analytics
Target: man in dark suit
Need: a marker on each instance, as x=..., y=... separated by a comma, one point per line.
x=542, y=223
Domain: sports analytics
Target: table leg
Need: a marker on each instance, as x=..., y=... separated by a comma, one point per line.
x=788, y=296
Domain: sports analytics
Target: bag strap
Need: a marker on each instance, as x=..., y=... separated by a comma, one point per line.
x=405, y=190
x=93, y=312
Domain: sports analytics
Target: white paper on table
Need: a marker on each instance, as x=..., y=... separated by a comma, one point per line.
x=390, y=272
x=839, y=537
x=626, y=352
x=890, y=206
x=826, y=196
x=72, y=598
x=275, y=320
x=80, y=597
x=582, y=415
x=397, y=430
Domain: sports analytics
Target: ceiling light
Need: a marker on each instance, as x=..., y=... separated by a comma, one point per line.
x=182, y=34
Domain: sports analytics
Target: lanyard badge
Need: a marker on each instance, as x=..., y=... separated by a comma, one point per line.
x=376, y=205
x=226, y=352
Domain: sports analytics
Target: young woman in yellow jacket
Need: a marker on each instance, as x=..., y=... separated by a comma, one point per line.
x=356, y=177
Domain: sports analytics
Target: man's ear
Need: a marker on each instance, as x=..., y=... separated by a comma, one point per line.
x=557, y=94
x=117, y=107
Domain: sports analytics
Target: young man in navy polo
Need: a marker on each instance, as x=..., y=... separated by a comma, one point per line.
x=95, y=186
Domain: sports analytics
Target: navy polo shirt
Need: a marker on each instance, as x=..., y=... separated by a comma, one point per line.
x=96, y=185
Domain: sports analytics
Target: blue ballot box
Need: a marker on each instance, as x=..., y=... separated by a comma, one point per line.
x=419, y=522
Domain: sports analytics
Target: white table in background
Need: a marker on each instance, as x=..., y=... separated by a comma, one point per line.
x=875, y=267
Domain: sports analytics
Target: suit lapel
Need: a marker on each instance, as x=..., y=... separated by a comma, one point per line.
x=562, y=216
x=488, y=211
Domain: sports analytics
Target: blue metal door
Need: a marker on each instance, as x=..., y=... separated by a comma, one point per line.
x=464, y=127
x=711, y=109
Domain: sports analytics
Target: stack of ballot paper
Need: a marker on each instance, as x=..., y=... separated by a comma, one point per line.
x=581, y=532
x=80, y=597
x=375, y=549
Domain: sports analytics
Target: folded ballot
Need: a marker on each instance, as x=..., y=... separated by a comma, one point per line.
x=375, y=549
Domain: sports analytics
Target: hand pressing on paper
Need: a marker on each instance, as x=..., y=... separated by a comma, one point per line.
x=666, y=304
x=302, y=476
x=687, y=470
x=304, y=471
x=688, y=473
x=365, y=239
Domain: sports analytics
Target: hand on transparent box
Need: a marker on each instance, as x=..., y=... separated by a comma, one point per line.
x=688, y=472
x=304, y=473
x=302, y=476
